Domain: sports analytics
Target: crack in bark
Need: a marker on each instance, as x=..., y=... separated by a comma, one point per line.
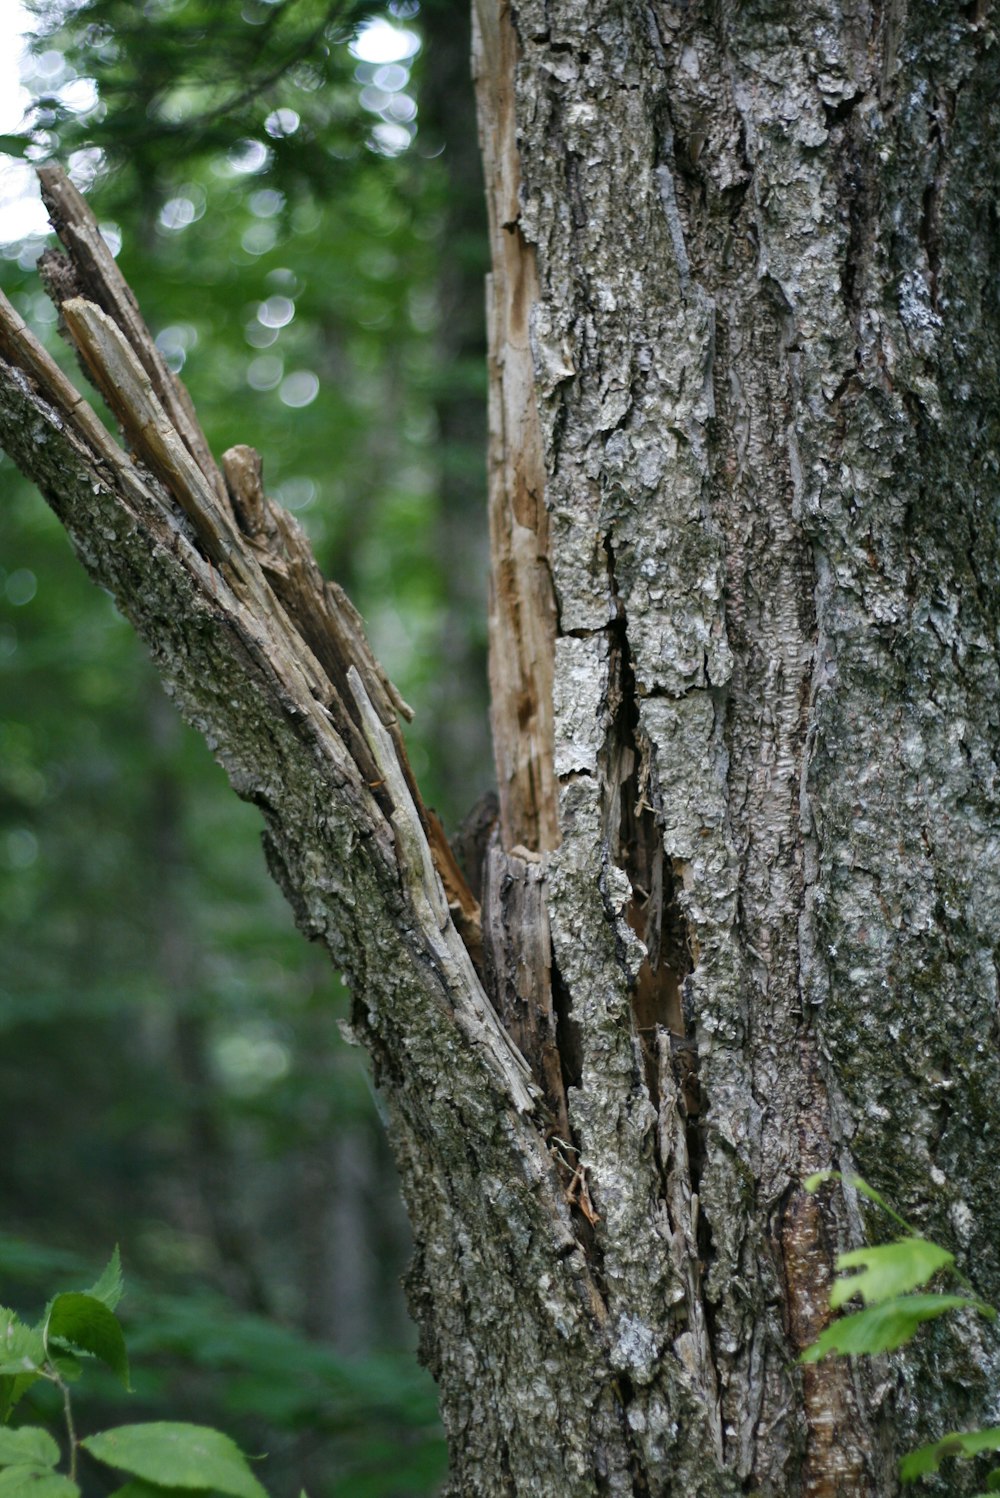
x=664, y=1032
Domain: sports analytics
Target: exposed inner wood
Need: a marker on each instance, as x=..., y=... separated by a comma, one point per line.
x=522, y=622
x=519, y=970
x=92, y=272
x=257, y=545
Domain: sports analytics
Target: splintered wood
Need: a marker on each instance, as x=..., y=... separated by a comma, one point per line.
x=261, y=553
x=522, y=605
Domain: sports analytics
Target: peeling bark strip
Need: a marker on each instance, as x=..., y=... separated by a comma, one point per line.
x=741, y=917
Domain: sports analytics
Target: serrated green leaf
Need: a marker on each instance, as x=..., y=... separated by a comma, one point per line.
x=959, y=1443
x=110, y=1286
x=888, y=1270
x=172, y=1454
x=22, y=1348
x=86, y=1325
x=36, y=1482
x=30, y=1446
x=884, y=1327
x=21, y=1351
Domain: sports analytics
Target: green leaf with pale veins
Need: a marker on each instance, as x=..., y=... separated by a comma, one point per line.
x=888, y=1270
x=884, y=1327
x=110, y=1286
x=30, y=1446
x=86, y=1325
x=172, y=1454
x=959, y=1443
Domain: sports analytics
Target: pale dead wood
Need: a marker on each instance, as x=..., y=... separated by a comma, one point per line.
x=321, y=609
x=518, y=950
x=332, y=626
x=522, y=606
x=20, y=347
x=255, y=564
x=122, y=379
x=99, y=279
x=156, y=414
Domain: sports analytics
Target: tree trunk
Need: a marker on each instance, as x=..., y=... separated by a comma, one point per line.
x=740, y=912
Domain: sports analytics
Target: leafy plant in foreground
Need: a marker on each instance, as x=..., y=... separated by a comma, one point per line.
x=885, y=1278
x=158, y=1458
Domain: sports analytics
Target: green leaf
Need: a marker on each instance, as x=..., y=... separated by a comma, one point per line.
x=110, y=1286
x=13, y=1389
x=884, y=1327
x=67, y=1366
x=29, y=1446
x=35, y=1482
x=820, y=1177
x=22, y=1351
x=891, y=1269
x=959, y=1443
x=86, y=1325
x=14, y=145
x=172, y=1454
x=136, y=1487
x=22, y=1348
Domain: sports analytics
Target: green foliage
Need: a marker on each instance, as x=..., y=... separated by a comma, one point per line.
x=24, y=1481
x=960, y=1443
x=821, y=1177
x=888, y=1270
x=173, y=1454
x=81, y=1323
x=29, y=1446
x=886, y=1325
x=110, y=1286
x=885, y=1277
x=28, y=1458
x=162, y=1454
x=374, y=1421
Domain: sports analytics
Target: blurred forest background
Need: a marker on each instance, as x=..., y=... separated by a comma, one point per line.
x=292, y=188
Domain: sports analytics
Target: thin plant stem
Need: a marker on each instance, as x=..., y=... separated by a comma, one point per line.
x=70, y=1427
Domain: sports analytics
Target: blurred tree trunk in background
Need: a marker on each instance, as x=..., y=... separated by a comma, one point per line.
x=448, y=119
x=738, y=918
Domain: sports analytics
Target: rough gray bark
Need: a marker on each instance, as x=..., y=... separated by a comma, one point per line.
x=746, y=594
x=764, y=346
